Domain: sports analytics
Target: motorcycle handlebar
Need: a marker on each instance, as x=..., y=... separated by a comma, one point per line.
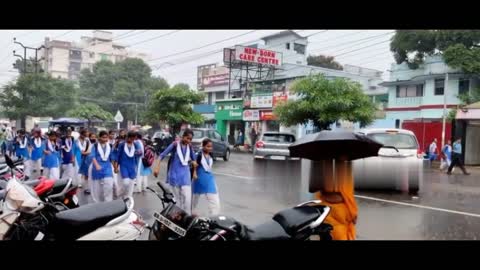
x=164, y=188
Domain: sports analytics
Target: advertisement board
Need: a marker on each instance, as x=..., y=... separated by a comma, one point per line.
x=258, y=56
x=264, y=101
x=279, y=97
x=212, y=75
x=267, y=116
x=251, y=115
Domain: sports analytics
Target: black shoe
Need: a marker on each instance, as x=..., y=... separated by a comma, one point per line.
x=86, y=191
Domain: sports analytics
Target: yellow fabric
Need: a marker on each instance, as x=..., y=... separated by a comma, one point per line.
x=339, y=178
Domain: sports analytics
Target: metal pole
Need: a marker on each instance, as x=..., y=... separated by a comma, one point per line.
x=444, y=108
x=118, y=125
x=136, y=114
x=36, y=59
x=24, y=60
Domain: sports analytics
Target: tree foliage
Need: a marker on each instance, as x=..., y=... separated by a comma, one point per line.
x=324, y=61
x=459, y=48
x=37, y=95
x=174, y=106
x=114, y=84
x=19, y=65
x=325, y=102
x=90, y=111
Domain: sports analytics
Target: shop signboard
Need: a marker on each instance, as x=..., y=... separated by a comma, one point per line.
x=267, y=116
x=261, y=101
x=251, y=115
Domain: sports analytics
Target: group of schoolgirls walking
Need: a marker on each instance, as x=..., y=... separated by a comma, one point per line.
x=191, y=173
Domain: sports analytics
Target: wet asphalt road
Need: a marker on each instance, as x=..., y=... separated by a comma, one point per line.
x=447, y=207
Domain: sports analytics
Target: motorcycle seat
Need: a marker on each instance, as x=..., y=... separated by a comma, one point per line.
x=295, y=219
x=270, y=230
x=59, y=186
x=75, y=223
x=32, y=183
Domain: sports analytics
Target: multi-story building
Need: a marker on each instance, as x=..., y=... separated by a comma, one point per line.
x=416, y=98
x=261, y=96
x=66, y=59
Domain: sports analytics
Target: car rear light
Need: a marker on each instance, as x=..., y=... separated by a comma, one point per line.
x=259, y=144
x=419, y=153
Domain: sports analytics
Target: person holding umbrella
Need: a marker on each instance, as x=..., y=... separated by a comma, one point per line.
x=331, y=174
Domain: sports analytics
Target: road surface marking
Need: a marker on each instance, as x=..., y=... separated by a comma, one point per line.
x=419, y=206
x=234, y=175
x=381, y=200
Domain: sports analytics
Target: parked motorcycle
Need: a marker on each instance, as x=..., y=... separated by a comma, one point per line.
x=303, y=222
x=25, y=216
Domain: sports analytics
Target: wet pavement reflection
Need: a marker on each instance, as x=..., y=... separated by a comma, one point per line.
x=252, y=192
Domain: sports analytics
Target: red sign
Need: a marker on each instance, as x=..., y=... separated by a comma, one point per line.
x=267, y=116
x=279, y=98
x=259, y=56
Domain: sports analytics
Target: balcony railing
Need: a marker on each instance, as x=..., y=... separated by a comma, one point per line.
x=405, y=102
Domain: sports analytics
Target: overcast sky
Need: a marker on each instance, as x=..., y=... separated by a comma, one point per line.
x=366, y=48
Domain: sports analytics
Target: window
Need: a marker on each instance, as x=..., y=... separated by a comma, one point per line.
x=198, y=134
x=299, y=48
x=219, y=95
x=287, y=46
x=209, y=98
x=278, y=138
x=397, y=140
x=217, y=136
x=439, y=87
x=409, y=91
x=463, y=86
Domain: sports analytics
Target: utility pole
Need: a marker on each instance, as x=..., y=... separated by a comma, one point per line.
x=25, y=55
x=445, y=90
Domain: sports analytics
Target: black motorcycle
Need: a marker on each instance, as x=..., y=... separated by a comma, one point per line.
x=303, y=222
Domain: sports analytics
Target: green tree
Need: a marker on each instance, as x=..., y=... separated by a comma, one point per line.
x=37, y=95
x=459, y=48
x=174, y=106
x=324, y=61
x=119, y=86
x=325, y=102
x=19, y=65
x=90, y=112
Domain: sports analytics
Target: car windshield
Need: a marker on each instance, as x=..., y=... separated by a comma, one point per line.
x=397, y=140
x=198, y=134
x=278, y=138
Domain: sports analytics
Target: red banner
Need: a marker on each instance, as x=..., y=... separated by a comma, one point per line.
x=279, y=98
x=267, y=116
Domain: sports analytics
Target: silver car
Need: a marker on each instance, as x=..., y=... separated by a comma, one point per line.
x=399, y=164
x=273, y=145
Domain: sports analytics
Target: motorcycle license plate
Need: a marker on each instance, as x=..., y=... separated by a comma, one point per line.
x=75, y=199
x=169, y=224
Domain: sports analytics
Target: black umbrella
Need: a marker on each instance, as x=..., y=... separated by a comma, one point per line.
x=326, y=145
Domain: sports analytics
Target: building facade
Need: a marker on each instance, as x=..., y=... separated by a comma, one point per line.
x=261, y=96
x=416, y=98
x=66, y=59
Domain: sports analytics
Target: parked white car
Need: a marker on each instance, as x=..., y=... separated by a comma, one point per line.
x=399, y=164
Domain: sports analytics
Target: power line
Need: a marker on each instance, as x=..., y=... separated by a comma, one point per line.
x=356, y=42
x=129, y=36
x=217, y=51
x=388, y=40
x=204, y=46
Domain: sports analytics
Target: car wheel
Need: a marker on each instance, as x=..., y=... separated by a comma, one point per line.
x=227, y=155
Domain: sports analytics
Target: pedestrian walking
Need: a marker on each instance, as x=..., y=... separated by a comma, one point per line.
x=36, y=147
x=68, y=158
x=253, y=136
x=447, y=155
x=10, y=139
x=51, y=162
x=83, y=152
x=21, y=151
x=457, y=157
x=139, y=141
x=146, y=165
x=178, y=172
x=102, y=173
x=3, y=136
x=432, y=151
x=113, y=146
x=204, y=182
x=127, y=161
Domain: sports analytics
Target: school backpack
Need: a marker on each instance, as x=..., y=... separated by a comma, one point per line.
x=148, y=157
